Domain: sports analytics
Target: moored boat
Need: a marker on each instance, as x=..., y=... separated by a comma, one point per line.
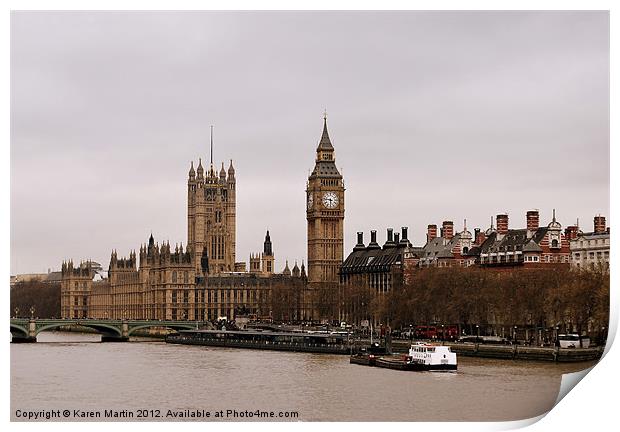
x=433, y=357
x=396, y=362
x=421, y=357
x=267, y=340
x=368, y=356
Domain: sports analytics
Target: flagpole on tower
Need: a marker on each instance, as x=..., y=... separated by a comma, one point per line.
x=211, y=145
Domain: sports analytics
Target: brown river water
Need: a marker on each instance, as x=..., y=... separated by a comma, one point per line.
x=72, y=371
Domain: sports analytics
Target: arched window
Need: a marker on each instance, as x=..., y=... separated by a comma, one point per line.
x=174, y=276
x=554, y=243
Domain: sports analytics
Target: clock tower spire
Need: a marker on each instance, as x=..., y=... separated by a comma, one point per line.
x=325, y=214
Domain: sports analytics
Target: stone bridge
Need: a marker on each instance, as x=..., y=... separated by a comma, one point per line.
x=27, y=329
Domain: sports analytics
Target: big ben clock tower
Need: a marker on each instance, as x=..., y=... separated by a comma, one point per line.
x=325, y=214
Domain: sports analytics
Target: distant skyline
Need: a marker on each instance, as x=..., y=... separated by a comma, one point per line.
x=433, y=116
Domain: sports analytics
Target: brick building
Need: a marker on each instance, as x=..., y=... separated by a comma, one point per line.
x=529, y=247
x=371, y=271
x=447, y=249
x=591, y=249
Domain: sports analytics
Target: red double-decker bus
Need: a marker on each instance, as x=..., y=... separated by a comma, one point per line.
x=447, y=332
x=425, y=332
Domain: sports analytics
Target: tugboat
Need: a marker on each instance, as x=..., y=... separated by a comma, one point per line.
x=422, y=357
x=368, y=356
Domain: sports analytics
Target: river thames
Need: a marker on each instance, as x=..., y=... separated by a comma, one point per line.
x=73, y=371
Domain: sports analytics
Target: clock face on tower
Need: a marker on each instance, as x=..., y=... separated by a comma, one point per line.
x=330, y=200
x=310, y=201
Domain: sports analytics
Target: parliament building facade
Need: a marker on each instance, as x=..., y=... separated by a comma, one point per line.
x=203, y=281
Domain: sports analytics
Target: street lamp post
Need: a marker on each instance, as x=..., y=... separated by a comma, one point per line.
x=16, y=312
x=31, y=312
x=478, y=333
x=443, y=334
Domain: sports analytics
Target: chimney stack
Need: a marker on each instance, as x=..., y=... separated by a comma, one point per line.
x=447, y=230
x=360, y=241
x=373, y=241
x=599, y=224
x=533, y=220
x=431, y=232
x=479, y=236
x=390, y=238
x=571, y=232
x=396, y=238
x=502, y=223
x=403, y=235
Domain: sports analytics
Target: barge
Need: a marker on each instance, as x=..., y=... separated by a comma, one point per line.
x=368, y=356
x=327, y=343
x=421, y=357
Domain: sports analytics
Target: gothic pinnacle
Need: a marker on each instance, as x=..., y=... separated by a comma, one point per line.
x=200, y=169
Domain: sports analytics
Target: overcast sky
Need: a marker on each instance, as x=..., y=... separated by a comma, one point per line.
x=433, y=115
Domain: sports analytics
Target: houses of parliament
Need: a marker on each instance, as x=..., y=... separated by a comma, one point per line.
x=203, y=281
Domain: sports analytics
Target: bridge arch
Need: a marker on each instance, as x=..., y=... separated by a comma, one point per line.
x=18, y=330
x=100, y=328
x=188, y=326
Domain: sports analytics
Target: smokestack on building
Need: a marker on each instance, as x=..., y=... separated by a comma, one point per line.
x=502, y=223
x=479, y=236
x=599, y=224
x=533, y=220
x=403, y=236
x=360, y=241
x=571, y=232
x=373, y=241
x=390, y=238
x=431, y=232
x=447, y=230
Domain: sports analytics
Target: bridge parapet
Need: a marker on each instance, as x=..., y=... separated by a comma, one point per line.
x=111, y=330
